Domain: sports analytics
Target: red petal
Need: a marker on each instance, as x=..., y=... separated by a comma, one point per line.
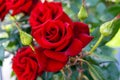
x=85, y=39
x=59, y=56
x=75, y=48
x=42, y=59
x=54, y=66
x=80, y=28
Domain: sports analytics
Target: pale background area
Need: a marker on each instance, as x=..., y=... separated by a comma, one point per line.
x=7, y=68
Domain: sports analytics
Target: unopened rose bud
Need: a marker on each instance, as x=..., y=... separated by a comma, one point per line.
x=110, y=27
x=82, y=14
x=26, y=38
x=106, y=28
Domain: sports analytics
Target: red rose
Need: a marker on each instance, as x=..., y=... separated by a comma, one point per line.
x=18, y=6
x=60, y=40
x=25, y=64
x=3, y=9
x=57, y=34
x=44, y=12
x=54, y=35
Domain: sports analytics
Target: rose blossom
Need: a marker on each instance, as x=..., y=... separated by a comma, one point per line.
x=25, y=64
x=3, y=9
x=47, y=11
x=57, y=34
x=21, y=6
x=60, y=40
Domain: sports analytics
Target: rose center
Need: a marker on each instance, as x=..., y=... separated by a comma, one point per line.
x=53, y=34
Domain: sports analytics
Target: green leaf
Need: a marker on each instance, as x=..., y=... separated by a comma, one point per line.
x=92, y=2
x=111, y=72
x=100, y=58
x=12, y=74
x=107, y=72
x=96, y=75
x=1, y=53
x=101, y=55
x=58, y=77
x=74, y=73
x=2, y=40
x=0, y=63
x=115, y=42
x=115, y=9
x=39, y=78
x=104, y=58
x=3, y=36
x=100, y=8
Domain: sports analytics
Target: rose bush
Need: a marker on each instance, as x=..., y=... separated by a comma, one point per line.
x=21, y=6
x=56, y=42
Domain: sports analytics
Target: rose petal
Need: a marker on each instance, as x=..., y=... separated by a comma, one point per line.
x=59, y=56
x=80, y=28
x=75, y=48
x=26, y=7
x=85, y=39
x=42, y=59
x=54, y=66
x=65, y=18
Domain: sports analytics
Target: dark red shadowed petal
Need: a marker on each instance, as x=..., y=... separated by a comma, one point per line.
x=65, y=18
x=26, y=7
x=58, y=56
x=42, y=59
x=80, y=28
x=85, y=39
x=54, y=66
x=75, y=48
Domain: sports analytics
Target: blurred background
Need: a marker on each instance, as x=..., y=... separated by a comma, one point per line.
x=99, y=12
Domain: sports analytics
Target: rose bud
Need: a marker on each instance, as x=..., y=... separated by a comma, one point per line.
x=82, y=14
x=110, y=27
x=26, y=38
x=106, y=28
x=27, y=65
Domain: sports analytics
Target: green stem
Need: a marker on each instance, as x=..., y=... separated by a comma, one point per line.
x=31, y=46
x=63, y=73
x=19, y=29
x=85, y=77
x=17, y=24
x=83, y=61
x=96, y=45
x=81, y=77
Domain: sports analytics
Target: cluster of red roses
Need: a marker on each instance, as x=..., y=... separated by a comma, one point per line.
x=57, y=35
